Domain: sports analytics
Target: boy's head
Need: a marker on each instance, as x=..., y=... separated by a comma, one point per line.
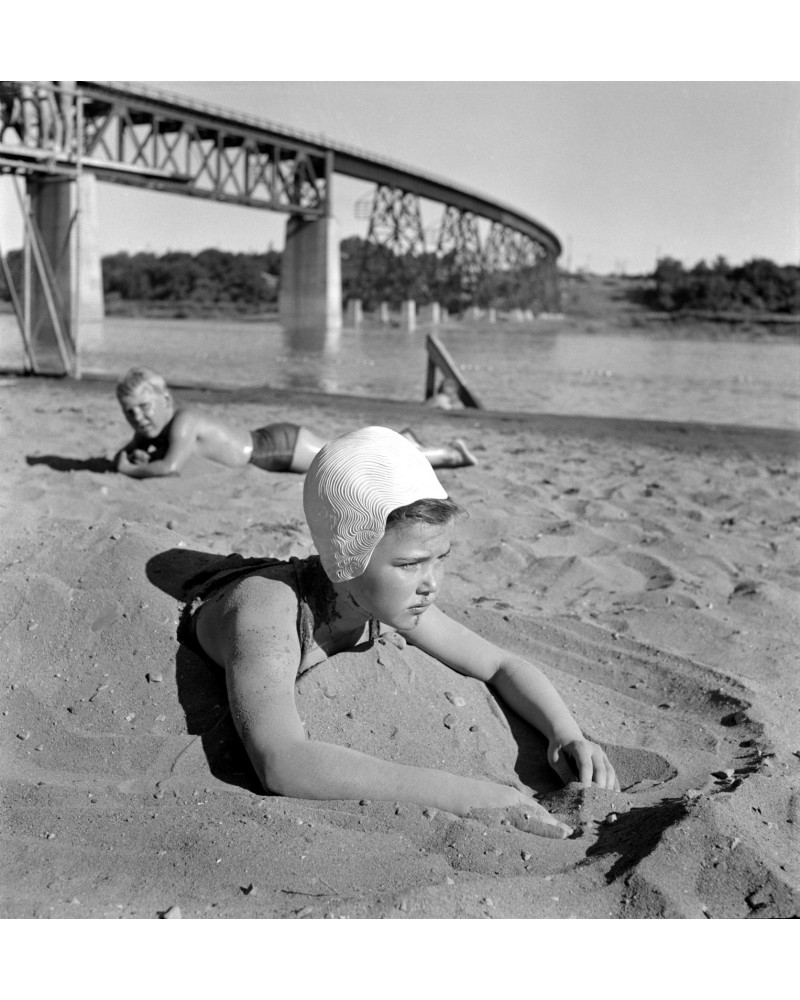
x=145, y=400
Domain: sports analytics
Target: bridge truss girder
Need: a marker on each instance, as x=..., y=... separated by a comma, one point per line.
x=463, y=259
x=508, y=249
x=207, y=162
x=395, y=240
x=395, y=221
x=135, y=139
x=459, y=236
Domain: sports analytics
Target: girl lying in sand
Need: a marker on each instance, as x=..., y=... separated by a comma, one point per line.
x=382, y=524
x=164, y=438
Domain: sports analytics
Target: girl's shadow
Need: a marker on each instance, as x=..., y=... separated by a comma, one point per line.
x=201, y=683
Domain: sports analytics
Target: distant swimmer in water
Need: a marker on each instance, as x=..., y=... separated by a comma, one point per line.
x=382, y=525
x=165, y=437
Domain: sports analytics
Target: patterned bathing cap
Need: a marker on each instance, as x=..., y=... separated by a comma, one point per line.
x=352, y=486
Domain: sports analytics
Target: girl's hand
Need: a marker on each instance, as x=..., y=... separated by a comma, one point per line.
x=584, y=761
x=525, y=814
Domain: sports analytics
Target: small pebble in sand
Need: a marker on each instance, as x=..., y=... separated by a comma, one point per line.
x=725, y=775
x=666, y=704
x=154, y=678
x=171, y=524
x=130, y=716
x=449, y=721
x=24, y=735
x=612, y=818
x=429, y=813
x=526, y=855
x=172, y=913
x=363, y=802
x=49, y=836
x=248, y=889
x=474, y=729
x=455, y=699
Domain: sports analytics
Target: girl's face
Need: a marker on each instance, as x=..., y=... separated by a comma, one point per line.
x=404, y=574
x=147, y=410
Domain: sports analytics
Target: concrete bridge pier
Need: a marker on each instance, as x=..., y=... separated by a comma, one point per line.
x=66, y=216
x=310, y=296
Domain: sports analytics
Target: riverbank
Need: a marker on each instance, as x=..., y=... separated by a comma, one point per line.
x=650, y=567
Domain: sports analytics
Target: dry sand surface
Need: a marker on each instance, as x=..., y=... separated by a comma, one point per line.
x=652, y=570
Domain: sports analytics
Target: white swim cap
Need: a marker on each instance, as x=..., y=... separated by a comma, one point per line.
x=352, y=486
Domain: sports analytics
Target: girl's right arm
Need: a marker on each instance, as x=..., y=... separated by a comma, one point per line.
x=260, y=653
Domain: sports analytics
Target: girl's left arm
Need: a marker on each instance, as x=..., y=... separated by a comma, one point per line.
x=523, y=687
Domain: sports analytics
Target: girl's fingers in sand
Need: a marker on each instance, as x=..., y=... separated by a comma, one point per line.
x=535, y=819
x=583, y=761
x=526, y=815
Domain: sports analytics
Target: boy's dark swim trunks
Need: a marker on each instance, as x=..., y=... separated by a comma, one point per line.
x=273, y=447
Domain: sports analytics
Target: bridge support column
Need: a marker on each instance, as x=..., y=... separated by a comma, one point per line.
x=66, y=216
x=310, y=297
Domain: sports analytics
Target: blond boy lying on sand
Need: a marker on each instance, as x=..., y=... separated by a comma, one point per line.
x=165, y=438
x=382, y=525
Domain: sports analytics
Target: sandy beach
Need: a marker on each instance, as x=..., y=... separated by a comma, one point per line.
x=650, y=568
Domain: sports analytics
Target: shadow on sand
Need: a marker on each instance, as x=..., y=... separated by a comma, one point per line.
x=62, y=464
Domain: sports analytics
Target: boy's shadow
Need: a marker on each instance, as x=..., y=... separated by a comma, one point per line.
x=201, y=683
x=62, y=464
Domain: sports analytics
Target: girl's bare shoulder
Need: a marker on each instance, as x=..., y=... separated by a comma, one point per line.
x=270, y=591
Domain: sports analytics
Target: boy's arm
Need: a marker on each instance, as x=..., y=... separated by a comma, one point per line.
x=524, y=688
x=134, y=451
x=182, y=437
x=261, y=666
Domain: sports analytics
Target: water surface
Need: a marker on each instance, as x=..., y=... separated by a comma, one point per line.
x=508, y=367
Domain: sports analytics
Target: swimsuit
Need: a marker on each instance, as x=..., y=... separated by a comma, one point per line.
x=306, y=577
x=273, y=447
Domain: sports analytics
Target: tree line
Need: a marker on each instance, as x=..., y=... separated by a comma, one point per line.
x=249, y=282
x=758, y=286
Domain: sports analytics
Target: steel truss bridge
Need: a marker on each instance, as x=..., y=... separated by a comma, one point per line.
x=136, y=135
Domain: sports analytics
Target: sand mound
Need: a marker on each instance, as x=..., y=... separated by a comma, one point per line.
x=656, y=585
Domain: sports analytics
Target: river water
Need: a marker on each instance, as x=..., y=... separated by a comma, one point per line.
x=509, y=367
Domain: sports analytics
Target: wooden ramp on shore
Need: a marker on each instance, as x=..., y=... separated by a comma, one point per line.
x=439, y=360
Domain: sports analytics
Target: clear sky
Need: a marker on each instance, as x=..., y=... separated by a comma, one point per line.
x=622, y=172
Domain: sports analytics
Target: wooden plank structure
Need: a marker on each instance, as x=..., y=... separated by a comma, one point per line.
x=439, y=360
